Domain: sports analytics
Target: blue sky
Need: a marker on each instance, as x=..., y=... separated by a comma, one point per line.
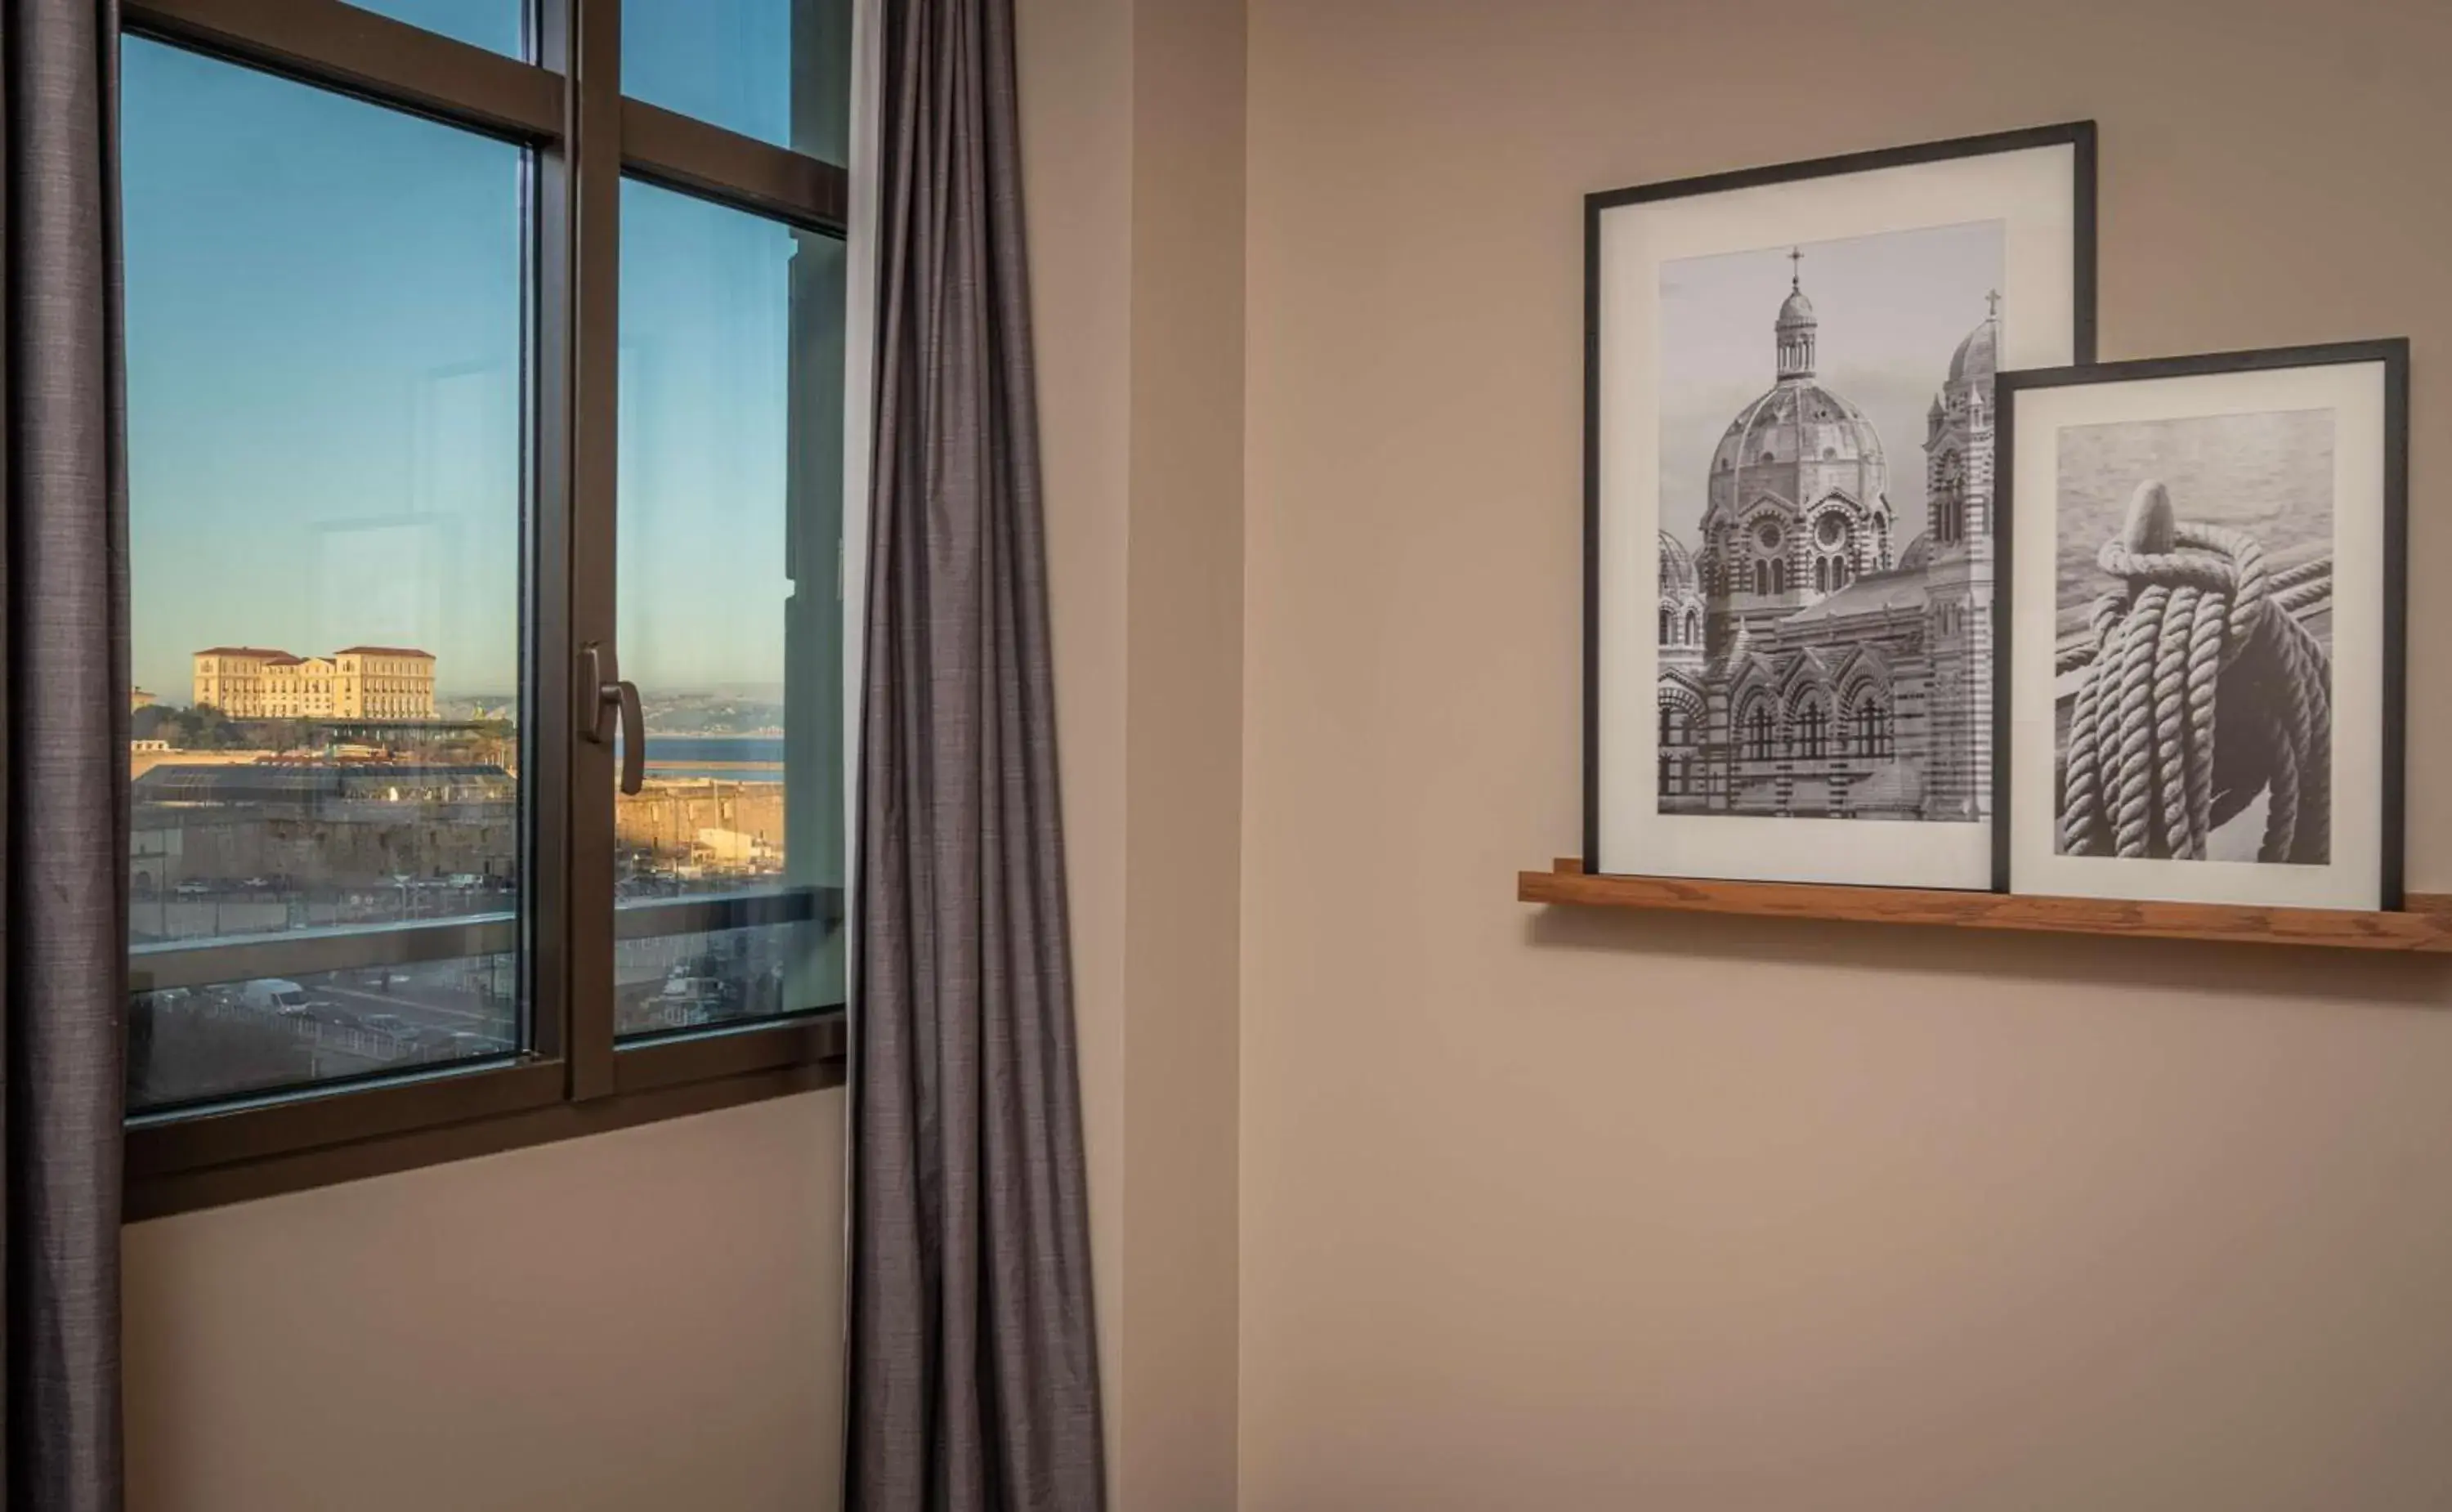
x=325, y=328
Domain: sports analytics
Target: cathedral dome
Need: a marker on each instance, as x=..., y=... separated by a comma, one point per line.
x=1677, y=573
x=1799, y=489
x=1797, y=422
x=1978, y=356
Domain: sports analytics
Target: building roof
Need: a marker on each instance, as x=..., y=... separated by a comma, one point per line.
x=1878, y=593
x=1977, y=355
x=1797, y=419
x=275, y=654
x=1678, y=572
x=302, y=786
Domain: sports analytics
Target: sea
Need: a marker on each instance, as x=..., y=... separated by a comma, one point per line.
x=734, y=757
x=2270, y=475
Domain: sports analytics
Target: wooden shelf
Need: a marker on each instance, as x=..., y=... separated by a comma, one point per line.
x=2425, y=925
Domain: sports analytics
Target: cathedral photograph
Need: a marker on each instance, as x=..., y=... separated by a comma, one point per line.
x=1826, y=577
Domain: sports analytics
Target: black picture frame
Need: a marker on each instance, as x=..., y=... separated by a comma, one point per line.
x=2393, y=354
x=2080, y=136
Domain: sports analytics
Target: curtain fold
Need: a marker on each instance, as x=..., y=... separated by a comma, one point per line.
x=972, y=1358
x=63, y=922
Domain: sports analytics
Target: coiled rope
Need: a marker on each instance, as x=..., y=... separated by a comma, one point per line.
x=2201, y=690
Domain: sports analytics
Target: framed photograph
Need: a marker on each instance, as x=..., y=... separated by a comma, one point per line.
x=2203, y=626
x=1788, y=515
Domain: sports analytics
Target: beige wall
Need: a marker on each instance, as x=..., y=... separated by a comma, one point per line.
x=1134, y=134
x=1578, y=1212
x=630, y=1323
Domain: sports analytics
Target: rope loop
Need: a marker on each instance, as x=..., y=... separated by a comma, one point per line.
x=2199, y=691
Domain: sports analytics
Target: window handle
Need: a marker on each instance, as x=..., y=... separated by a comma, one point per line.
x=605, y=695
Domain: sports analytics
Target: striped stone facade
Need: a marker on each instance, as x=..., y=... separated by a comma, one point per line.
x=1832, y=678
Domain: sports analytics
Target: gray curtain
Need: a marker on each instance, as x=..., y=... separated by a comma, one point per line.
x=64, y=754
x=973, y=1369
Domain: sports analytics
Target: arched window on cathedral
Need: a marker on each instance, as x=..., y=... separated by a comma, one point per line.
x=1872, y=727
x=1821, y=575
x=1665, y=624
x=1779, y=577
x=1950, y=510
x=1758, y=732
x=1811, y=723
x=1762, y=577
x=1694, y=627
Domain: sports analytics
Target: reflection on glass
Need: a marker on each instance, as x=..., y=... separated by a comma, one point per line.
x=663, y=982
x=500, y=26
x=730, y=614
x=775, y=69
x=325, y=397
x=224, y=1039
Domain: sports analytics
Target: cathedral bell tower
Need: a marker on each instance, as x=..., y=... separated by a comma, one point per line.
x=1958, y=578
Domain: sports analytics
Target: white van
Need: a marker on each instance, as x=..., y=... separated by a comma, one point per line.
x=274, y=996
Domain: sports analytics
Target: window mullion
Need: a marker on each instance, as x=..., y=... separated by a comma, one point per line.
x=590, y=30
x=547, y=629
x=342, y=47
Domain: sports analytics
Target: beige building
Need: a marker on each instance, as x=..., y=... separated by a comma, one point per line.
x=359, y=682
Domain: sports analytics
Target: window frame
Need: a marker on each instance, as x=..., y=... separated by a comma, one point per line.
x=571, y=1079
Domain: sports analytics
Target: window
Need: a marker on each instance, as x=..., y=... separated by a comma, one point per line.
x=1873, y=728
x=1758, y=733
x=1811, y=722
x=1949, y=499
x=774, y=69
x=443, y=437
x=324, y=356
x=498, y=24
x=729, y=551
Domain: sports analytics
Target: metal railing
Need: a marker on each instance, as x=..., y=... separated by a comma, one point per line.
x=305, y=952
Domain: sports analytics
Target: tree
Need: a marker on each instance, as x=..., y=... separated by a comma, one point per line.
x=202, y=728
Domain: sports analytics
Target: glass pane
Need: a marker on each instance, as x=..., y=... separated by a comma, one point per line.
x=325, y=395
x=730, y=614
x=500, y=26
x=189, y=1044
x=775, y=69
x=662, y=983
